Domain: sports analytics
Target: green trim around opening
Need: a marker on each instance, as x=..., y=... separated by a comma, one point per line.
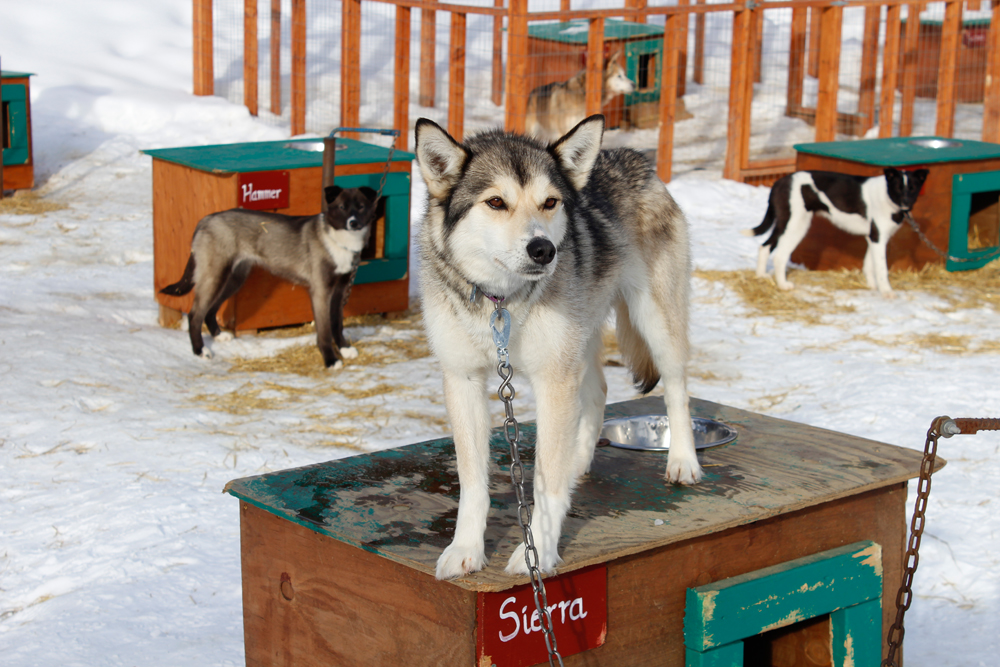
x=963, y=186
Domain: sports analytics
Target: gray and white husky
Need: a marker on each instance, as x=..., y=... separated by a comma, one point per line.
x=320, y=251
x=562, y=234
x=553, y=109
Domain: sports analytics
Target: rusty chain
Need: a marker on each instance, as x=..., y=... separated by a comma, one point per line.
x=930, y=244
x=946, y=427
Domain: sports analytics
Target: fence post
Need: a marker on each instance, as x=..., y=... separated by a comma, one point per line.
x=299, y=67
x=401, y=84
x=250, y=55
x=595, y=66
x=815, y=40
x=890, y=71
x=204, y=75
x=869, y=67
x=796, y=58
x=991, y=100
x=740, y=97
x=350, y=67
x=517, y=65
x=910, y=41
x=668, y=93
x=498, y=55
x=698, y=70
x=831, y=20
x=276, y=57
x=456, y=77
x=428, y=37
x=951, y=33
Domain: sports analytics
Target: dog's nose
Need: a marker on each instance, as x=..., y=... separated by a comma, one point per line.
x=541, y=251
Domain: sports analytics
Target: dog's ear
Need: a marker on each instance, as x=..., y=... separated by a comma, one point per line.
x=440, y=158
x=577, y=150
x=331, y=192
x=368, y=192
x=891, y=173
x=614, y=58
x=918, y=177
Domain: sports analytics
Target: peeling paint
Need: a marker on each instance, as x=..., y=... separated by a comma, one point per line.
x=872, y=557
x=806, y=588
x=708, y=605
x=848, y=651
x=793, y=617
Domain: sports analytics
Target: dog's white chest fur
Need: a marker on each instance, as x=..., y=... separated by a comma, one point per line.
x=343, y=246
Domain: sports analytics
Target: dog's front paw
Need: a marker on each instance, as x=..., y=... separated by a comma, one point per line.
x=458, y=560
x=786, y=286
x=888, y=294
x=206, y=353
x=349, y=352
x=517, y=566
x=223, y=337
x=336, y=366
x=683, y=471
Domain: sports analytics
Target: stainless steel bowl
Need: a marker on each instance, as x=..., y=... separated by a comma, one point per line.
x=936, y=143
x=652, y=433
x=316, y=146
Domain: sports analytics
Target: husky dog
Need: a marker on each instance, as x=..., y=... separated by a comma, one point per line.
x=553, y=109
x=321, y=251
x=872, y=206
x=560, y=234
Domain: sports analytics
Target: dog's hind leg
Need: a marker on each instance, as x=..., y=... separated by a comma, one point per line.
x=465, y=398
x=798, y=226
x=234, y=279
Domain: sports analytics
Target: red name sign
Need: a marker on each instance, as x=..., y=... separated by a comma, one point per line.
x=509, y=632
x=263, y=190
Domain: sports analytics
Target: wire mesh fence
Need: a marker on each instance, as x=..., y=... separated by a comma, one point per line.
x=481, y=64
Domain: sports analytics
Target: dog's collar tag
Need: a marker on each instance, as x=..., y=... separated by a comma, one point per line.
x=500, y=336
x=476, y=292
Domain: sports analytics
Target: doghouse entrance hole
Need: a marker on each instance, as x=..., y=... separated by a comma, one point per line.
x=375, y=248
x=6, y=125
x=984, y=220
x=646, y=77
x=803, y=644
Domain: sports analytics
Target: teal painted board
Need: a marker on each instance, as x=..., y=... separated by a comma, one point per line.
x=733, y=609
x=273, y=155
x=963, y=186
x=901, y=151
x=8, y=74
x=401, y=503
x=576, y=32
x=856, y=635
x=730, y=655
x=15, y=103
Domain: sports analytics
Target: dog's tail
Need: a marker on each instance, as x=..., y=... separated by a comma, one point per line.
x=635, y=352
x=184, y=285
x=764, y=225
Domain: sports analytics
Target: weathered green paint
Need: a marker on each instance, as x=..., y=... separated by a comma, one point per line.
x=271, y=156
x=900, y=151
x=845, y=582
x=15, y=105
x=963, y=186
x=730, y=655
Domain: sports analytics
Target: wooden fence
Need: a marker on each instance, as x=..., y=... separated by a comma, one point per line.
x=821, y=20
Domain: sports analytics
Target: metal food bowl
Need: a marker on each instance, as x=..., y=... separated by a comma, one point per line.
x=652, y=433
x=316, y=146
x=936, y=143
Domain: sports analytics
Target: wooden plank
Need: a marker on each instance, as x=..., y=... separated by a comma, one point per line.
x=517, y=66
x=991, y=97
x=307, y=597
x=815, y=39
x=428, y=39
x=796, y=56
x=951, y=38
x=276, y=57
x=856, y=633
x=497, y=78
x=698, y=69
x=204, y=75
x=350, y=81
x=890, y=70
x=831, y=20
x=910, y=55
x=298, y=120
x=740, y=92
x=401, y=82
x=250, y=55
x=456, y=76
x=682, y=50
x=595, y=66
x=757, y=42
x=774, y=597
x=668, y=94
x=869, y=67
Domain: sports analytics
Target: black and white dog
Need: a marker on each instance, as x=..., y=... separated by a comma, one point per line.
x=321, y=251
x=872, y=206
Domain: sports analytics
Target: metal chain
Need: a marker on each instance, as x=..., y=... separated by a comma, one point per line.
x=942, y=426
x=512, y=433
x=942, y=253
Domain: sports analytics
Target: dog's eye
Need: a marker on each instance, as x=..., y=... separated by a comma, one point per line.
x=496, y=204
x=550, y=203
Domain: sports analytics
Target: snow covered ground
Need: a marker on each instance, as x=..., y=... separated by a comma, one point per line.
x=116, y=545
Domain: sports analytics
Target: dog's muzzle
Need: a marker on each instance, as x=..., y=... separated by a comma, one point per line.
x=541, y=251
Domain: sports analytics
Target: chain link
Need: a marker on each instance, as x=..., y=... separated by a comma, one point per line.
x=942, y=253
x=942, y=426
x=512, y=433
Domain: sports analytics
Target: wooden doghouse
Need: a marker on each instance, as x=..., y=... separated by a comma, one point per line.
x=558, y=51
x=338, y=558
x=286, y=177
x=970, y=67
x=957, y=209
x=18, y=161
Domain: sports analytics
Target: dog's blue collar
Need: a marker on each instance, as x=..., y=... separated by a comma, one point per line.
x=476, y=291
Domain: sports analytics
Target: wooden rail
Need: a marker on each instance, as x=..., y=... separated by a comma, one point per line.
x=814, y=49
